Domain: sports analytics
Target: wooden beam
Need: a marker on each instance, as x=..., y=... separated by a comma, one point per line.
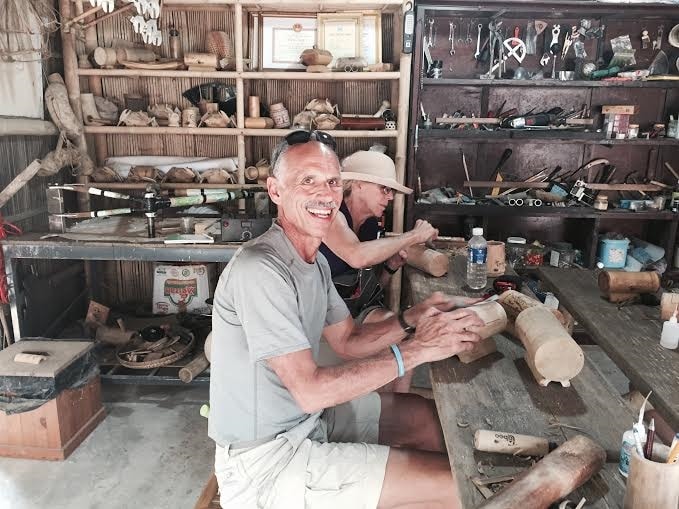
x=27, y=127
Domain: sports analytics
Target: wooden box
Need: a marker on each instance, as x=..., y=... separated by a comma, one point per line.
x=53, y=430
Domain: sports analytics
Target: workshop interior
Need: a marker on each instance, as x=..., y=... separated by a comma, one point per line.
x=540, y=138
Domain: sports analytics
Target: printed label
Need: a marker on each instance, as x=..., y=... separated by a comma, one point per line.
x=625, y=454
x=554, y=259
x=181, y=291
x=477, y=255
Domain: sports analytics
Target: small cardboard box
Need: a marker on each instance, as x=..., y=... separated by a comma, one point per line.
x=182, y=288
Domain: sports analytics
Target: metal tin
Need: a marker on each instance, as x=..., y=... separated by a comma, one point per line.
x=280, y=115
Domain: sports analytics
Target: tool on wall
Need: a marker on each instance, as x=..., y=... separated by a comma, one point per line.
x=451, y=38
x=408, y=28
x=657, y=43
x=479, y=28
x=531, y=38
x=468, y=41
x=645, y=39
x=150, y=204
x=431, y=37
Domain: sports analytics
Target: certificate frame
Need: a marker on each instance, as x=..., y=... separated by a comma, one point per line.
x=340, y=34
x=284, y=37
x=371, y=37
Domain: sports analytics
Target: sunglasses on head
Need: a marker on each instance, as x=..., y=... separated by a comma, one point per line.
x=297, y=137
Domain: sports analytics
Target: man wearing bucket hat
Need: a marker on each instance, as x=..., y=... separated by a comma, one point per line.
x=361, y=264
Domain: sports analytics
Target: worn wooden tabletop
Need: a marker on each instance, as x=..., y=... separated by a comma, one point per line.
x=499, y=393
x=629, y=335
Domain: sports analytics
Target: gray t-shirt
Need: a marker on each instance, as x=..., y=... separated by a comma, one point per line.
x=268, y=302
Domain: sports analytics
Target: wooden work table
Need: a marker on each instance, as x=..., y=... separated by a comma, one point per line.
x=630, y=335
x=499, y=393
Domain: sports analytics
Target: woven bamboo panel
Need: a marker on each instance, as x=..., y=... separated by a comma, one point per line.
x=125, y=283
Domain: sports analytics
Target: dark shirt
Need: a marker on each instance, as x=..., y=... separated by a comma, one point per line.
x=368, y=231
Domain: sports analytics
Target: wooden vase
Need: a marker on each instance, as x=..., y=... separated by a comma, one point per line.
x=651, y=485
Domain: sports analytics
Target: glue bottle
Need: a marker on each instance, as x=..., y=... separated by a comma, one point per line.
x=628, y=446
x=670, y=333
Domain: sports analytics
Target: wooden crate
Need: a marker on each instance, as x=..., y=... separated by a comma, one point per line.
x=54, y=430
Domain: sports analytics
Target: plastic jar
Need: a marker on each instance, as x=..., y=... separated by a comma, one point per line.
x=562, y=255
x=535, y=255
x=515, y=249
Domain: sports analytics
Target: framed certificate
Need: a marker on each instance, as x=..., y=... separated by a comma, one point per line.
x=371, y=38
x=284, y=38
x=340, y=34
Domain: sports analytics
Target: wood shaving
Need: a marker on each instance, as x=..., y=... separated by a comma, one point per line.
x=462, y=424
x=488, y=422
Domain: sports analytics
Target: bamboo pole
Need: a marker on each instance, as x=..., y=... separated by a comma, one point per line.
x=109, y=15
x=240, y=97
x=73, y=87
x=27, y=127
x=228, y=131
x=168, y=185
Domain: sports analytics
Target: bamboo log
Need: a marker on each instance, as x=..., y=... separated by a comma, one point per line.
x=20, y=181
x=551, y=353
x=135, y=55
x=105, y=57
x=205, y=59
x=651, y=485
x=552, y=478
x=628, y=283
x=512, y=443
x=253, y=106
x=27, y=127
x=258, y=123
x=427, y=260
x=493, y=316
x=194, y=368
x=515, y=302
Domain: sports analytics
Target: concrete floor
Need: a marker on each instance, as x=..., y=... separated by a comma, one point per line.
x=151, y=451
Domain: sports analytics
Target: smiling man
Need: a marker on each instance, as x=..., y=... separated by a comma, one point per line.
x=291, y=434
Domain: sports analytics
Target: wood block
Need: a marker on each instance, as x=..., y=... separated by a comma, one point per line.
x=53, y=430
x=483, y=348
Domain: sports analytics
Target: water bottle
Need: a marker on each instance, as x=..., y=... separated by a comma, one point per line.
x=476, y=260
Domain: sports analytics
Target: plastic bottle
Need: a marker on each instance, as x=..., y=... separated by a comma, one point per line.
x=476, y=260
x=670, y=333
x=627, y=449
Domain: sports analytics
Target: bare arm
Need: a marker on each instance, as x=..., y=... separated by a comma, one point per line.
x=439, y=335
x=351, y=341
x=344, y=243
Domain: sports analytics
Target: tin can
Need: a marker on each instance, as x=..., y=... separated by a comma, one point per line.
x=280, y=115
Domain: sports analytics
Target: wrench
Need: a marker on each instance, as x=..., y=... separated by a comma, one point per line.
x=460, y=40
x=479, y=27
x=451, y=38
x=554, y=45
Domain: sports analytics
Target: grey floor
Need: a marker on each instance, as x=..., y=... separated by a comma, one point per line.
x=151, y=451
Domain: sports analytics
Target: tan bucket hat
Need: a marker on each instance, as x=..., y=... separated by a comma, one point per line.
x=372, y=166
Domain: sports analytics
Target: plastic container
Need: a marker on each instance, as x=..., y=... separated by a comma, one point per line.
x=515, y=248
x=477, y=253
x=670, y=333
x=627, y=449
x=562, y=255
x=535, y=256
x=613, y=253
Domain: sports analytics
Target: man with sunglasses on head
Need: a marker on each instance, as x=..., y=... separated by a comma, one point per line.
x=361, y=263
x=291, y=434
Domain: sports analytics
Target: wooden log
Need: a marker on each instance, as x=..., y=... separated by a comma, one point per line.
x=253, y=106
x=668, y=304
x=20, y=181
x=493, y=316
x=428, y=260
x=258, y=123
x=512, y=443
x=27, y=127
x=551, y=353
x=205, y=59
x=105, y=57
x=515, y=302
x=651, y=485
x=194, y=368
x=552, y=478
x=135, y=55
x=628, y=282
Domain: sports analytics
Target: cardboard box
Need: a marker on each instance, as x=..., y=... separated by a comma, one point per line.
x=182, y=288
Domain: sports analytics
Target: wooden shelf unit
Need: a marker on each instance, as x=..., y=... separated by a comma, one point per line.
x=436, y=158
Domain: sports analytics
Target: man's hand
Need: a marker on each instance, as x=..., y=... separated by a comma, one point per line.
x=397, y=261
x=442, y=335
x=439, y=301
x=423, y=232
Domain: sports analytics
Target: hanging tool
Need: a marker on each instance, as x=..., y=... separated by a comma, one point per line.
x=515, y=48
x=469, y=39
x=531, y=38
x=466, y=173
x=430, y=36
x=460, y=40
x=657, y=43
x=600, y=48
x=479, y=27
x=517, y=34
x=645, y=39
x=554, y=45
x=451, y=38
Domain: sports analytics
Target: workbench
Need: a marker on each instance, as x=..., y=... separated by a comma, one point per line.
x=498, y=392
x=629, y=334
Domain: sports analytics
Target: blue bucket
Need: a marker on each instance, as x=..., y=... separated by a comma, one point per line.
x=613, y=253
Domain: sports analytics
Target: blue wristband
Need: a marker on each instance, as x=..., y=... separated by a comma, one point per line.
x=399, y=360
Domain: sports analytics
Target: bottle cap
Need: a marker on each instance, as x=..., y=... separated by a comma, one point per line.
x=477, y=232
x=516, y=240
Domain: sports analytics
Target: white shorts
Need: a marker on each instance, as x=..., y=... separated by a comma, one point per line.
x=346, y=472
